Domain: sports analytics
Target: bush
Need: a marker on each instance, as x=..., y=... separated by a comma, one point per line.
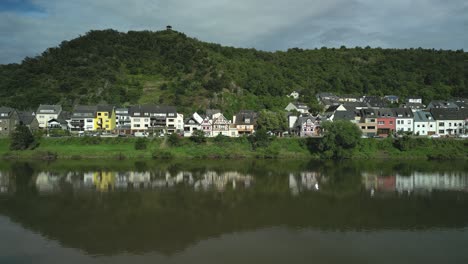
x=198, y=137
x=259, y=139
x=174, y=140
x=141, y=144
x=21, y=138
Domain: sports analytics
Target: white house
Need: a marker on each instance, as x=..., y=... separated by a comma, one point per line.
x=450, y=121
x=404, y=119
x=192, y=124
x=155, y=119
x=414, y=100
x=424, y=124
x=82, y=118
x=300, y=107
x=45, y=113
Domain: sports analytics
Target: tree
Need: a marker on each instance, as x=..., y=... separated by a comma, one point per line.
x=21, y=138
x=339, y=140
x=259, y=139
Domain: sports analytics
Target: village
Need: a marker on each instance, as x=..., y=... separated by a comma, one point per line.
x=375, y=116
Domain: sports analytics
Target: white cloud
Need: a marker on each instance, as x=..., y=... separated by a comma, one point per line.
x=263, y=24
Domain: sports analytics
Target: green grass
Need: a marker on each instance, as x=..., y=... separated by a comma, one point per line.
x=230, y=148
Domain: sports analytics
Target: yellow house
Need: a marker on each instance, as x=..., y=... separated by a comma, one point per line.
x=104, y=180
x=104, y=119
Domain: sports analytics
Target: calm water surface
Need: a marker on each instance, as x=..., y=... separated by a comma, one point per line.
x=233, y=212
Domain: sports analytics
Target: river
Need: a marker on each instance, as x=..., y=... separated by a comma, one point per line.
x=222, y=211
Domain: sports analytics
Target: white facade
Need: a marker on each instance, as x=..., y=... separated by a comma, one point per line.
x=139, y=122
x=404, y=124
x=45, y=113
x=450, y=127
x=192, y=125
x=301, y=108
x=174, y=123
x=424, y=128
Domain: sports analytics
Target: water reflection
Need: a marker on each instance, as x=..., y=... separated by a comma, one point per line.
x=105, y=181
x=416, y=182
x=169, y=208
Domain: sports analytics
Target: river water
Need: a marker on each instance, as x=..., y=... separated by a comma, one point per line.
x=224, y=211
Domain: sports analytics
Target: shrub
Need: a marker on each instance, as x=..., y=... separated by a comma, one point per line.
x=21, y=138
x=141, y=144
x=174, y=140
x=161, y=154
x=198, y=137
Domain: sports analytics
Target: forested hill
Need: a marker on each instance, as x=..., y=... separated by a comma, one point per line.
x=167, y=67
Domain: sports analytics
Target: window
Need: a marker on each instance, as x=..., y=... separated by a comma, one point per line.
x=89, y=120
x=441, y=123
x=430, y=125
x=371, y=127
x=137, y=125
x=170, y=120
x=381, y=123
x=146, y=120
x=146, y=125
x=105, y=114
x=136, y=120
x=441, y=131
x=450, y=124
x=363, y=127
x=136, y=114
x=391, y=122
x=372, y=120
x=418, y=126
x=423, y=125
x=409, y=122
x=107, y=126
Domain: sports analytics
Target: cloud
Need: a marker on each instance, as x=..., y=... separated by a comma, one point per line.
x=27, y=28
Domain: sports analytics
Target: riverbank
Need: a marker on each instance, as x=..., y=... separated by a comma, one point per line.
x=228, y=148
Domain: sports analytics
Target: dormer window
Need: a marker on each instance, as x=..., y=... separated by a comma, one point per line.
x=137, y=114
x=247, y=120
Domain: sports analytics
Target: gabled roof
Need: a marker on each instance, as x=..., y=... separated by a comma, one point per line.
x=211, y=112
x=84, y=111
x=303, y=118
x=246, y=117
x=152, y=109
x=368, y=112
x=442, y=104
x=423, y=116
x=355, y=105
x=300, y=105
x=105, y=108
x=385, y=112
x=26, y=117
x=49, y=109
x=402, y=112
x=348, y=115
x=5, y=112
x=449, y=113
x=374, y=101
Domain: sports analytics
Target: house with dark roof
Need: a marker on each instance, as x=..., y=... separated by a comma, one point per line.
x=424, y=124
x=348, y=115
x=392, y=99
x=414, y=99
x=28, y=118
x=375, y=101
x=62, y=122
x=386, y=122
x=156, y=119
x=45, y=113
x=307, y=125
x=442, y=104
x=367, y=121
x=122, y=120
x=82, y=118
x=404, y=119
x=413, y=106
x=192, y=124
x=8, y=120
x=245, y=122
x=450, y=121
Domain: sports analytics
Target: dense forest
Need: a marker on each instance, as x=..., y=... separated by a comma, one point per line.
x=167, y=67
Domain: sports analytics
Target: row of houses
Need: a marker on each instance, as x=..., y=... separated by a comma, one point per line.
x=374, y=117
x=145, y=119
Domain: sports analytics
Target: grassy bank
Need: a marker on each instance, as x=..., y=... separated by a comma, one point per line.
x=235, y=148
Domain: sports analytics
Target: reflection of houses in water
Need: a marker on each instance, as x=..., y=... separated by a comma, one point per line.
x=109, y=180
x=382, y=183
x=47, y=182
x=453, y=181
x=306, y=180
x=4, y=182
x=219, y=181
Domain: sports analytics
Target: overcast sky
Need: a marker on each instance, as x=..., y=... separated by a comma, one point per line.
x=28, y=27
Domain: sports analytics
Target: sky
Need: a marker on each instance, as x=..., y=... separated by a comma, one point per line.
x=28, y=27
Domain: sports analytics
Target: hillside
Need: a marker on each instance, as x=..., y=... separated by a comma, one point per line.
x=167, y=67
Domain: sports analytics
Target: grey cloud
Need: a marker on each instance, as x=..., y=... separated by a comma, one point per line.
x=263, y=24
